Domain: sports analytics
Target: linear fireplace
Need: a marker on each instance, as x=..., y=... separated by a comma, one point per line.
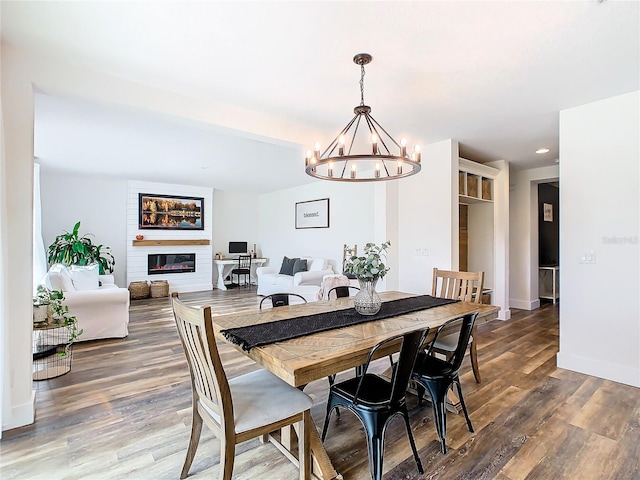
x=171, y=263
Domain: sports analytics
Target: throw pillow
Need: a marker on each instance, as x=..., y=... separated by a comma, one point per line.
x=300, y=265
x=67, y=282
x=85, y=277
x=287, y=266
x=59, y=278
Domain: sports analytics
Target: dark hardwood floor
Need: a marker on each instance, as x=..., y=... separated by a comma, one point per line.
x=124, y=412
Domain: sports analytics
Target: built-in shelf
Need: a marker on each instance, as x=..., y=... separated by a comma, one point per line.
x=163, y=243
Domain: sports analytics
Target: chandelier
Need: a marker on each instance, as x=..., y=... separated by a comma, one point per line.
x=340, y=160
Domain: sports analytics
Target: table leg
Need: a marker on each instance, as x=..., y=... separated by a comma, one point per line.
x=321, y=466
x=220, y=284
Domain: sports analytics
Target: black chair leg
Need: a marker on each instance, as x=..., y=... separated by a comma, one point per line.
x=464, y=407
x=326, y=422
x=375, y=444
x=438, y=392
x=405, y=415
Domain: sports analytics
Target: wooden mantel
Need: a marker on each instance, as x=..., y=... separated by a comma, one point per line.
x=162, y=243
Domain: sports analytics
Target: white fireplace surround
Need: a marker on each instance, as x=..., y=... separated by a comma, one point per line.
x=137, y=256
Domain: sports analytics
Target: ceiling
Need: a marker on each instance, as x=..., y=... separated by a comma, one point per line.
x=492, y=75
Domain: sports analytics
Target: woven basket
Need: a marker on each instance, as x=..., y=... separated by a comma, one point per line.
x=159, y=288
x=139, y=290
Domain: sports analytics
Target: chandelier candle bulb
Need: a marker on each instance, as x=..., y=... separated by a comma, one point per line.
x=403, y=147
x=341, y=147
x=374, y=139
x=330, y=170
x=399, y=168
x=353, y=171
x=377, y=170
x=417, y=153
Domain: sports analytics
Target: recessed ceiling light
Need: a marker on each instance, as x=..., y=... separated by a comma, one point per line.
x=540, y=151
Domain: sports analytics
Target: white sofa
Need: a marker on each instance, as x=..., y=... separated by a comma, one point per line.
x=102, y=312
x=306, y=283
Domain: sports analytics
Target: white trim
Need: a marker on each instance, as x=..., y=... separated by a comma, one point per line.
x=598, y=368
x=476, y=168
x=21, y=414
x=524, y=304
x=504, y=315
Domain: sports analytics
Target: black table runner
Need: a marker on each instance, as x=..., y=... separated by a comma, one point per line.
x=281, y=330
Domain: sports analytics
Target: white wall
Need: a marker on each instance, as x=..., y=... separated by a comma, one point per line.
x=428, y=218
x=235, y=219
x=523, y=235
x=600, y=213
x=17, y=244
x=352, y=220
x=99, y=203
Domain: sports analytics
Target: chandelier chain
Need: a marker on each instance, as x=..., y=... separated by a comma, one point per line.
x=362, y=85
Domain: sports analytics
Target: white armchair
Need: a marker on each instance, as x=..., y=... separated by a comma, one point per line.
x=102, y=312
x=306, y=283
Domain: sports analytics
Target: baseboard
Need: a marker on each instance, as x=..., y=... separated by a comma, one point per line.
x=195, y=288
x=599, y=368
x=504, y=314
x=524, y=304
x=21, y=415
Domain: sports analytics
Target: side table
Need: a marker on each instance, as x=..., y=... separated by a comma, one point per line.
x=52, y=352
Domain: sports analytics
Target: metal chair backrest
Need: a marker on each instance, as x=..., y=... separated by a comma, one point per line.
x=411, y=345
x=466, y=323
x=465, y=286
x=341, y=291
x=281, y=299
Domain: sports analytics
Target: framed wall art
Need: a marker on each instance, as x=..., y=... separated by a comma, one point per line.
x=170, y=212
x=313, y=214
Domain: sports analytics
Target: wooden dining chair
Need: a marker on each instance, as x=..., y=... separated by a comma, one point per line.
x=464, y=286
x=238, y=409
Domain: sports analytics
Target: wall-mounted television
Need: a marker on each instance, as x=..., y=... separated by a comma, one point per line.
x=238, y=247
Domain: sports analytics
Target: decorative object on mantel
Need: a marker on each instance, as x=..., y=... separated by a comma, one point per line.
x=70, y=248
x=159, y=288
x=139, y=290
x=170, y=212
x=139, y=237
x=368, y=269
x=375, y=162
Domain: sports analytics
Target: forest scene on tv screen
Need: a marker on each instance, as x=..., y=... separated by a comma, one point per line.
x=171, y=212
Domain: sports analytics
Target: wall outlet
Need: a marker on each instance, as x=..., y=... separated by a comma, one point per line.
x=588, y=257
x=421, y=252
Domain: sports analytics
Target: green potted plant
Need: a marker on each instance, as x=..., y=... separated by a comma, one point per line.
x=48, y=311
x=72, y=249
x=368, y=269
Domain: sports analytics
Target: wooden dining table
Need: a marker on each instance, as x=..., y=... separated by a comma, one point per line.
x=302, y=360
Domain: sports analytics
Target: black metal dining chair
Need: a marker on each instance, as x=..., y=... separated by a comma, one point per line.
x=375, y=400
x=437, y=376
x=281, y=299
x=341, y=291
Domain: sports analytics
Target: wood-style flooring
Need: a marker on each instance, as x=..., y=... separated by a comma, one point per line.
x=123, y=412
